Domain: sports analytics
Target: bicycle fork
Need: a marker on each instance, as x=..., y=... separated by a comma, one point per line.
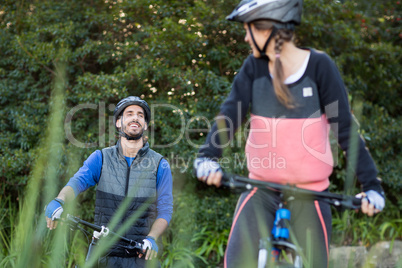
x=271, y=251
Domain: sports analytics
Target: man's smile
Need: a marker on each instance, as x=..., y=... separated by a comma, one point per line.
x=134, y=125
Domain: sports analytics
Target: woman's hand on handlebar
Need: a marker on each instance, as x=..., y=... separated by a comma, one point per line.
x=208, y=171
x=214, y=178
x=372, y=202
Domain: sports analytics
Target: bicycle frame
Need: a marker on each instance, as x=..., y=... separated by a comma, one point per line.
x=272, y=248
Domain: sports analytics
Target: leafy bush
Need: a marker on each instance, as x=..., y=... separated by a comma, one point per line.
x=183, y=55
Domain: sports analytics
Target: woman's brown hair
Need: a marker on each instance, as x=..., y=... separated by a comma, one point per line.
x=282, y=35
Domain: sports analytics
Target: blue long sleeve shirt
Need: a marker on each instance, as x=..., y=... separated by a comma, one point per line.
x=88, y=175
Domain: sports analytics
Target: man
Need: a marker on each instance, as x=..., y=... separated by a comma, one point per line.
x=130, y=169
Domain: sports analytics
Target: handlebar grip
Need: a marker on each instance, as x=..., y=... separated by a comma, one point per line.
x=356, y=202
x=226, y=177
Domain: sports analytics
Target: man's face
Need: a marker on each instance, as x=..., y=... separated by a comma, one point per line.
x=132, y=121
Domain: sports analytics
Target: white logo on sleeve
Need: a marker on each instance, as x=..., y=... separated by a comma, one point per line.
x=307, y=91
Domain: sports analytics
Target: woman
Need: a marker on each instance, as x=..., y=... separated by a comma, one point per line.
x=295, y=95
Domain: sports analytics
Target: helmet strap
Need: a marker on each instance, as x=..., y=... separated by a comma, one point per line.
x=262, y=51
x=130, y=138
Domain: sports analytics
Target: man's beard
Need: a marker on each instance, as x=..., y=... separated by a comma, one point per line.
x=129, y=136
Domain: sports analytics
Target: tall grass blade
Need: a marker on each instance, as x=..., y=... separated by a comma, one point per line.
x=27, y=243
x=352, y=156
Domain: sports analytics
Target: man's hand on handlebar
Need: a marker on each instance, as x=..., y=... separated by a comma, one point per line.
x=208, y=171
x=150, y=248
x=53, y=212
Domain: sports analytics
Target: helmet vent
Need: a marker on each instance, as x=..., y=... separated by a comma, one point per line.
x=253, y=4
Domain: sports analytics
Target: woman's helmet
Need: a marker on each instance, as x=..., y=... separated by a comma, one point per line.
x=132, y=100
x=286, y=13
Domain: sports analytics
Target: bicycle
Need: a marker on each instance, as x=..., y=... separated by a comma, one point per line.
x=130, y=246
x=277, y=248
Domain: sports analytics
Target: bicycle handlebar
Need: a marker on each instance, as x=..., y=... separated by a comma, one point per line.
x=132, y=245
x=233, y=181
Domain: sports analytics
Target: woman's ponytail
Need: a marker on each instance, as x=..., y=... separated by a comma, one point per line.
x=282, y=35
x=281, y=90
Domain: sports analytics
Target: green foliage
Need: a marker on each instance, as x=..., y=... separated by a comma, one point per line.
x=391, y=229
x=199, y=232
x=212, y=244
x=7, y=220
x=350, y=228
x=181, y=56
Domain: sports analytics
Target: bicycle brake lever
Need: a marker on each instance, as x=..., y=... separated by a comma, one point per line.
x=71, y=221
x=230, y=182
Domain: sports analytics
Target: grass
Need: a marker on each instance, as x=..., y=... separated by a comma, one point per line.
x=195, y=237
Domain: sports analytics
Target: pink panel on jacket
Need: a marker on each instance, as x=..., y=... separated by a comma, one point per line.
x=294, y=151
